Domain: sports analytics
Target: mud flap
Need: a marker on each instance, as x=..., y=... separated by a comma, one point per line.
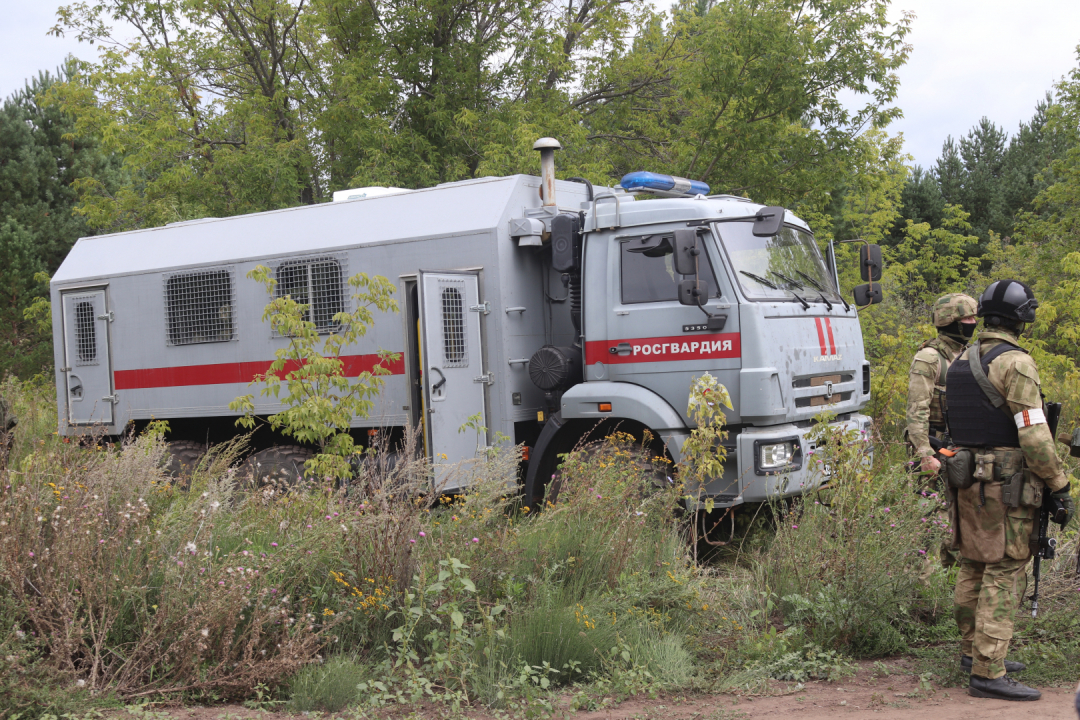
x=539, y=452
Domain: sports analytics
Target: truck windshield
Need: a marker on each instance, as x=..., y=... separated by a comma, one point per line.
x=777, y=268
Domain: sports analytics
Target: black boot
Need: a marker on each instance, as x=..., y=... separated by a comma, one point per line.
x=1011, y=666
x=1002, y=688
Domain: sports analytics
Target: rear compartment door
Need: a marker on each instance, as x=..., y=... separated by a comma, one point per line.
x=86, y=357
x=453, y=372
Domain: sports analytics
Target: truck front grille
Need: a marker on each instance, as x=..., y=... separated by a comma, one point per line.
x=819, y=380
x=818, y=400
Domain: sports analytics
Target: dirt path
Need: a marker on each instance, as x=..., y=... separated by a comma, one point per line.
x=898, y=695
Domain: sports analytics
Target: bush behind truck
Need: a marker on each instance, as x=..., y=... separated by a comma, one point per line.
x=536, y=309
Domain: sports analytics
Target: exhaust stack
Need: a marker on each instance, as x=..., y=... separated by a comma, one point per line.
x=547, y=147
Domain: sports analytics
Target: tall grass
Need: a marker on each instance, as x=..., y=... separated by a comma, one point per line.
x=115, y=582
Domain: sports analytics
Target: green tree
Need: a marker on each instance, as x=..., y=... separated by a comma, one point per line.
x=229, y=106
x=39, y=162
x=320, y=401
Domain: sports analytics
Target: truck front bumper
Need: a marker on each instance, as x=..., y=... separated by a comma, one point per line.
x=748, y=477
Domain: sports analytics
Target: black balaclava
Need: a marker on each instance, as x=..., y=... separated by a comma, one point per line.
x=958, y=330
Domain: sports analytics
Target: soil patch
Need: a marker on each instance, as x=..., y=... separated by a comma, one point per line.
x=900, y=694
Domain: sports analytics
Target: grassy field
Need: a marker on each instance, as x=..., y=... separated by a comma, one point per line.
x=117, y=585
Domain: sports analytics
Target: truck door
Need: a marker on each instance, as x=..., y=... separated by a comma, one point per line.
x=651, y=339
x=453, y=373
x=86, y=357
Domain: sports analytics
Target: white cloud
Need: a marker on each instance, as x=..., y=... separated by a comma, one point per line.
x=975, y=58
x=26, y=49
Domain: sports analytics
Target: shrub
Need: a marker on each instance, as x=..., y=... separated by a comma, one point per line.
x=846, y=560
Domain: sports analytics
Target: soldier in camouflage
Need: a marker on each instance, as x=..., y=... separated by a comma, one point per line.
x=954, y=317
x=997, y=421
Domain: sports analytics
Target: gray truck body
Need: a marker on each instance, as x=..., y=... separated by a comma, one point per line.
x=163, y=323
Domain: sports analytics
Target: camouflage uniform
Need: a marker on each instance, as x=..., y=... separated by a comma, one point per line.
x=993, y=538
x=926, y=385
x=925, y=413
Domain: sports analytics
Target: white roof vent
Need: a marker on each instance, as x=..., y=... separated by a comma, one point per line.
x=367, y=192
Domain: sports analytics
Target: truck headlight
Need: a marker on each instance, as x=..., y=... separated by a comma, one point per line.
x=777, y=455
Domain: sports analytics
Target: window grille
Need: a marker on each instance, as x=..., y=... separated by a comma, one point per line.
x=453, y=316
x=317, y=283
x=85, y=333
x=199, y=307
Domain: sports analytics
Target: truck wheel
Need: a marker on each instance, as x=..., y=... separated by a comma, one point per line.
x=181, y=459
x=281, y=466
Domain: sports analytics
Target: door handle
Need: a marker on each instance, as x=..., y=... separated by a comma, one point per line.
x=441, y=382
x=622, y=348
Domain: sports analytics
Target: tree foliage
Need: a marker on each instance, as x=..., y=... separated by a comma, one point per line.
x=231, y=106
x=40, y=160
x=321, y=400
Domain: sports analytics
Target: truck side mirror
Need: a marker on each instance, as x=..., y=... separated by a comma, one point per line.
x=870, y=262
x=694, y=292
x=686, y=251
x=768, y=221
x=866, y=295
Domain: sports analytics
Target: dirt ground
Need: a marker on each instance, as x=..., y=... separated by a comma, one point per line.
x=867, y=694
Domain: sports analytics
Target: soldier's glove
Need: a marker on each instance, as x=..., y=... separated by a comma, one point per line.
x=1062, y=499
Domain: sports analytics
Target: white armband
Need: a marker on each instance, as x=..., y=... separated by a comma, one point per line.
x=1027, y=418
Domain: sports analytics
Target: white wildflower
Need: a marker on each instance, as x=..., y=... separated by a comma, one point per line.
x=205, y=632
x=190, y=547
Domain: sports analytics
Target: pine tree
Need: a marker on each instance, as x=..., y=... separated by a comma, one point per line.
x=38, y=164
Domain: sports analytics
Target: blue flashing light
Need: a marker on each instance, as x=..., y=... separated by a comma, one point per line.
x=665, y=184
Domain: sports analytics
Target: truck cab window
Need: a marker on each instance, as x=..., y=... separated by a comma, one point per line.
x=650, y=276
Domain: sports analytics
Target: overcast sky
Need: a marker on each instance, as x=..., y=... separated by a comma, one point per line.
x=970, y=58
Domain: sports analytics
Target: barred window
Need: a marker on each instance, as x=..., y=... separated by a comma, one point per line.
x=199, y=307
x=317, y=284
x=85, y=334
x=453, y=317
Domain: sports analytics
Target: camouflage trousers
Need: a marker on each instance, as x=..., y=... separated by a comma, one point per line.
x=935, y=509
x=986, y=599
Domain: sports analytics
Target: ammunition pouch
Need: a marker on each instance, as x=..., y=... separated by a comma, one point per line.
x=1019, y=486
x=960, y=469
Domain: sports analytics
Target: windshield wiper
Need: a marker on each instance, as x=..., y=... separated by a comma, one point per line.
x=786, y=279
x=759, y=279
x=812, y=281
x=805, y=305
x=819, y=286
x=825, y=300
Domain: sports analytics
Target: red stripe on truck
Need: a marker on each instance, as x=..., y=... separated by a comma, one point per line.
x=229, y=373
x=663, y=349
x=832, y=343
x=821, y=336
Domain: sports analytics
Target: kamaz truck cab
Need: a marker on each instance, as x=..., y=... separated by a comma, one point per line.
x=687, y=284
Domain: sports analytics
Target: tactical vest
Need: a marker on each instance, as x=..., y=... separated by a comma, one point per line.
x=937, y=405
x=973, y=420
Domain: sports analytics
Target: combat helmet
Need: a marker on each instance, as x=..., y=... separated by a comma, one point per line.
x=952, y=307
x=1008, y=300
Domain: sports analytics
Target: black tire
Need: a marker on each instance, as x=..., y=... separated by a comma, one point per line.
x=281, y=466
x=181, y=459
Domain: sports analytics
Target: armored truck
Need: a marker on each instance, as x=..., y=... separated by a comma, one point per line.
x=547, y=309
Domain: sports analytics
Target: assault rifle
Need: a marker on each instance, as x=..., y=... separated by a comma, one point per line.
x=1043, y=547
